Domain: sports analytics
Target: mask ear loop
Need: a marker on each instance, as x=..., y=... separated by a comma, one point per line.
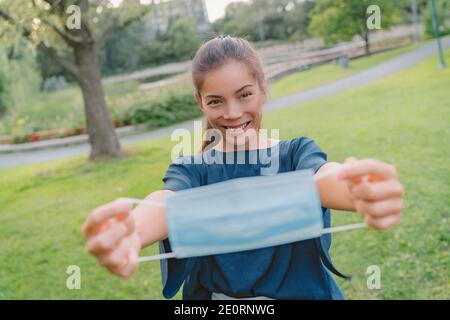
x=316, y=178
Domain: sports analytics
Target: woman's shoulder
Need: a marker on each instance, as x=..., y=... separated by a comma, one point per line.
x=298, y=142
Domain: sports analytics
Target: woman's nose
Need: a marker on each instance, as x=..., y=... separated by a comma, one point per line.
x=232, y=111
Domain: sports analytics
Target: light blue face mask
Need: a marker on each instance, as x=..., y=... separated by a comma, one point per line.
x=244, y=214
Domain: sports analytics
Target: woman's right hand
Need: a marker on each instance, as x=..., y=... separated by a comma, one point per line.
x=111, y=237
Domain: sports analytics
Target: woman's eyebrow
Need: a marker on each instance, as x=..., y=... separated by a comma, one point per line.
x=216, y=96
x=212, y=96
x=247, y=85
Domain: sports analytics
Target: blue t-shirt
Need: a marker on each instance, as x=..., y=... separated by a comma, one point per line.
x=297, y=270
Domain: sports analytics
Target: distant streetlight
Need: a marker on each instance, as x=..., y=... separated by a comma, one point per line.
x=262, y=35
x=436, y=32
x=415, y=20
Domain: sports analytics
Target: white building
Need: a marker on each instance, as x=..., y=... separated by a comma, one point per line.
x=167, y=12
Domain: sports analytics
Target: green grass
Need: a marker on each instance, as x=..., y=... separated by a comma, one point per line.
x=327, y=73
x=402, y=119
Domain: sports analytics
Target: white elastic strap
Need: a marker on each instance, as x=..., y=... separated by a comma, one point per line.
x=347, y=227
x=161, y=256
x=146, y=202
x=344, y=228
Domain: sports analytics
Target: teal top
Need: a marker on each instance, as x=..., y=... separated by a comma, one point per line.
x=298, y=270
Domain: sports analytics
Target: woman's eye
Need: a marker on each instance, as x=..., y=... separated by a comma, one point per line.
x=247, y=94
x=213, y=102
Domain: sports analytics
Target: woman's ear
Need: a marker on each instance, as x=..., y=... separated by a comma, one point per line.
x=199, y=101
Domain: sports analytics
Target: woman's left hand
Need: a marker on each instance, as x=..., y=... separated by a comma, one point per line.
x=376, y=191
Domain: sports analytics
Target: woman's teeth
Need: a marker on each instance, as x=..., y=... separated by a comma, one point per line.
x=236, y=129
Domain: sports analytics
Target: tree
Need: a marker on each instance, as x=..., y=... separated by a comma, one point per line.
x=336, y=20
x=443, y=14
x=260, y=20
x=184, y=39
x=80, y=27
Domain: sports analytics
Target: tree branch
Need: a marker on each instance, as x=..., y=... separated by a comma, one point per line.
x=63, y=62
x=5, y=16
x=111, y=29
x=69, y=38
x=66, y=64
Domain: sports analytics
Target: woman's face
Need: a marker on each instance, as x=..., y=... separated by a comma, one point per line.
x=232, y=100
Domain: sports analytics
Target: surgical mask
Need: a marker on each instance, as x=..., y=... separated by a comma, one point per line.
x=244, y=214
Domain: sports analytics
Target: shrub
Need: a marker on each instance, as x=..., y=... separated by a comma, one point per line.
x=175, y=109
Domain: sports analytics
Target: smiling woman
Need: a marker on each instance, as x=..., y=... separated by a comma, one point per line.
x=230, y=89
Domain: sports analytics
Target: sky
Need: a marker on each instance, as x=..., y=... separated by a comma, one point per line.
x=216, y=8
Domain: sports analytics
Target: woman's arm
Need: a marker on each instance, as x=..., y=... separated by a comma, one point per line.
x=368, y=186
x=150, y=221
x=334, y=192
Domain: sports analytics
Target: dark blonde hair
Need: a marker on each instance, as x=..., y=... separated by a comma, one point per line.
x=219, y=51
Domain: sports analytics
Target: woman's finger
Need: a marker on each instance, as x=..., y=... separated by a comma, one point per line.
x=376, y=191
x=108, y=239
x=119, y=208
x=378, y=209
x=383, y=223
x=367, y=167
x=129, y=267
x=116, y=257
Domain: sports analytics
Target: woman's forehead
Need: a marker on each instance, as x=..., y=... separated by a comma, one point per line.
x=228, y=79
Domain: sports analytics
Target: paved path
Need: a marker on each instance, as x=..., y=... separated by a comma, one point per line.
x=394, y=65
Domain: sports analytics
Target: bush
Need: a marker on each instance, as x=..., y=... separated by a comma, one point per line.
x=175, y=109
x=3, y=94
x=442, y=12
x=55, y=83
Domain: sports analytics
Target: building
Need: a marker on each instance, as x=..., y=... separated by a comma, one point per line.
x=166, y=12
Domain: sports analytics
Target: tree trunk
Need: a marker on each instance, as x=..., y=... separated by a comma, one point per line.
x=365, y=36
x=102, y=136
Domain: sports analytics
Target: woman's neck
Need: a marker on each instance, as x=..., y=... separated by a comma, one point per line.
x=261, y=142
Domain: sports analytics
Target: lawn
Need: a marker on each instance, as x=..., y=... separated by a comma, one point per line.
x=402, y=119
x=330, y=72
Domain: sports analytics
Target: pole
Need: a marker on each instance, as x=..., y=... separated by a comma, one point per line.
x=436, y=32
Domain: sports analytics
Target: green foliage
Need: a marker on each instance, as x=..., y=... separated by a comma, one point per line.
x=175, y=109
x=19, y=78
x=336, y=20
x=442, y=13
x=3, y=93
x=155, y=52
x=123, y=51
x=184, y=39
x=266, y=19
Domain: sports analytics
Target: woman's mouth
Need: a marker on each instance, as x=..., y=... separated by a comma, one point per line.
x=238, y=129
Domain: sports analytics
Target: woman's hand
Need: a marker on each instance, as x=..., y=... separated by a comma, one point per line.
x=377, y=193
x=111, y=237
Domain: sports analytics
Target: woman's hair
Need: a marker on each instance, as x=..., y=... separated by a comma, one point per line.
x=219, y=51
